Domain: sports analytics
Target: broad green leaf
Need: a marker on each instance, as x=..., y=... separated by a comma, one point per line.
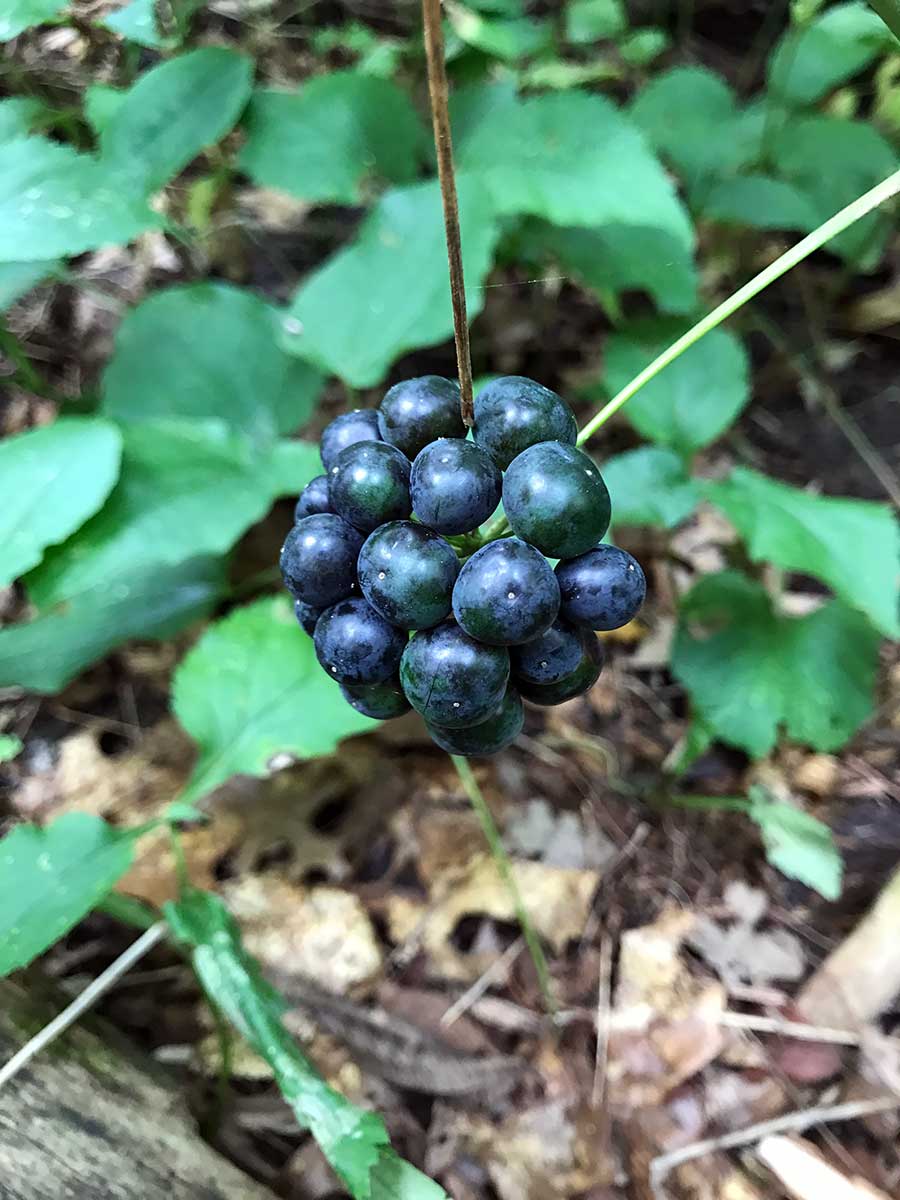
x=592, y=20
x=750, y=672
x=138, y=21
x=852, y=545
x=507, y=38
x=291, y=465
x=221, y=361
x=52, y=877
x=186, y=488
x=18, y=278
x=19, y=15
x=153, y=602
x=623, y=258
x=101, y=103
x=640, y=47
x=55, y=202
x=649, y=486
x=329, y=140
x=51, y=480
x=18, y=117
x=571, y=158
x=694, y=399
x=797, y=844
x=838, y=44
x=173, y=112
x=759, y=202
x=354, y=1141
x=832, y=162
x=387, y=291
x=690, y=115
x=250, y=689
x=10, y=747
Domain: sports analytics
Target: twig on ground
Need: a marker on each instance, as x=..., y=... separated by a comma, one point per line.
x=495, y=973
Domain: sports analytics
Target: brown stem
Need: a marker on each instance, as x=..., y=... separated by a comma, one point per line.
x=443, y=144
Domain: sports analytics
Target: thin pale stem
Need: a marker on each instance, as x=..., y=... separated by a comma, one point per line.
x=814, y=241
x=504, y=866
x=438, y=92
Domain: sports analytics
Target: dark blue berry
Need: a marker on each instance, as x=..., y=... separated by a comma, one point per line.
x=313, y=499
x=454, y=486
x=369, y=484
x=554, y=497
x=416, y=411
x=378, y=700
x=307, y=615
x=407, y=573
x=584, y=676
x=506, y=593
x=513, y=413
x=487, y=737
x=556, y=653
x=355, y=644
x=318, y=559
x=602, y=589
x=360, y=425
x=450, y=678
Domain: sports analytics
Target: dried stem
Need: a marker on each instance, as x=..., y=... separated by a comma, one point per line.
x=438, y=92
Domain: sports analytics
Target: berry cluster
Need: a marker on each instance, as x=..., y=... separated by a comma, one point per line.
x=488, y=628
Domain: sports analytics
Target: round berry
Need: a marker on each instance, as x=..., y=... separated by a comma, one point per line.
x=450, y=678
x=581, y=680
x=417, y=411
x=379, y=700
x=307, y=615
x=513, y=413
x=546, y=659
x=487, y=737
x=454, y=486
x=369, y=484
x=360, y=425
x=355, y=644
x=506, y=593
x=318, y=559
x=602, y=589
x=313, y=499
x=407, y=573
x=554, y=497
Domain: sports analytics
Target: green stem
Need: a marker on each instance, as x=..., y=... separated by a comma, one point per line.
x=889, y=11
x=831, y=228
x=504, y=866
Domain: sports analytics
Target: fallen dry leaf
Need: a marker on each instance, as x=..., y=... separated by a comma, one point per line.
x=740, y=953
x=559, y=839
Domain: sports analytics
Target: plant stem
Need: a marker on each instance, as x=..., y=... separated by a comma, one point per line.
x=438, y=92
x=889, y=11
x=831, y=228
x=504, y=866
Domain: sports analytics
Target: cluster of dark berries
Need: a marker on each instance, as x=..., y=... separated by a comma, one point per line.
x=382, y=548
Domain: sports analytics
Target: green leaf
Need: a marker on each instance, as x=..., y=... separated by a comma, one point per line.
x=759, y=202
x=139, y=23
x=186, y=488
x=351, y=1139
x=571, y=158
x=590, y=21
x=649, y=486
x=749, y=671
x=52, y=877
x=18, y=117
x=511, y=39
x=173, y=112
x=51, y=480
x=19, y=15
x=623, y=258
x=642, y=46
x=390, y=284
x=832, y=162
x=221, y=362
x=252, y=688
x=153, y=602
x=693, y=400
x=852, y=545
x=327, y=141
x=101, y=103
x=797, y=844
x=18, y=278
x=10, y=747
x=292, y=464
x=55, y=202
x=838, y=44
